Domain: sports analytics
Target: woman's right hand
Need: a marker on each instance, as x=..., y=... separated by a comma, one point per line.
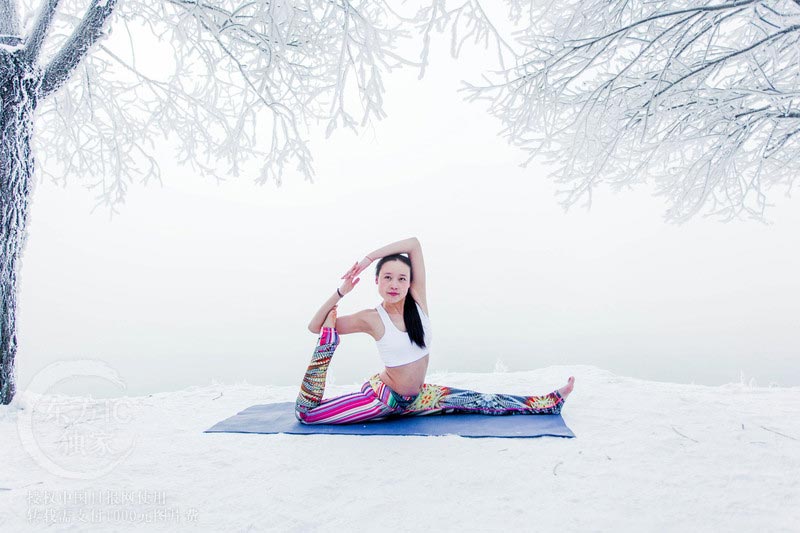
x=350, y=280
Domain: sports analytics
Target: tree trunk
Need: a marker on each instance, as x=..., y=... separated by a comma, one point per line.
x=22, y=84
x=18, y=86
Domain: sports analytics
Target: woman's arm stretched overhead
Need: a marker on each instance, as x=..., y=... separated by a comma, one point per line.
x=400, y=247
x=417, y=288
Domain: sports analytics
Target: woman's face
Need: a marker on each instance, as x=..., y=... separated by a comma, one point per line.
x=394, y=281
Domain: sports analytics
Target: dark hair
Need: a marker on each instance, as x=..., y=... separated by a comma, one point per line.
x=410, y=314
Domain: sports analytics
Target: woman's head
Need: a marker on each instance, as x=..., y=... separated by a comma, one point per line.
x=393, y=276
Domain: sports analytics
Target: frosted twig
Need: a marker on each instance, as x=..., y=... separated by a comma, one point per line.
x=698, y=99
x=237, y=88
x=682, y=435
x=778, y=433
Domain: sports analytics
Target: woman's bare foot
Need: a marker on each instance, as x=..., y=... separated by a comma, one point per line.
x=330, y=320
x=566, y=389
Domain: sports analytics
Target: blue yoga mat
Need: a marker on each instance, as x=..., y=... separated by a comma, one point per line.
x=279, y=418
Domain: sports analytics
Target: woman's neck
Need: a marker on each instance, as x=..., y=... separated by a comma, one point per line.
x=395, y=309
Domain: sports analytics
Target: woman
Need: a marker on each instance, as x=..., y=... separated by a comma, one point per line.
x=402, y=330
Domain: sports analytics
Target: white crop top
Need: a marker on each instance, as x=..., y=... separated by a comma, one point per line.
x=395, y=348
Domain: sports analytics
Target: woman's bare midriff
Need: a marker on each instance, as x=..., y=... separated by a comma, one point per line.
x=406, y=380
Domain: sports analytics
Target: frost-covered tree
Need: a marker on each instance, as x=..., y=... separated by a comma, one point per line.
x=697, y=97
x=239, y=82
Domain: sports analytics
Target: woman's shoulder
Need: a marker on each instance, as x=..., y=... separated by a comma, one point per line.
x=359, y=322
x=372, y=319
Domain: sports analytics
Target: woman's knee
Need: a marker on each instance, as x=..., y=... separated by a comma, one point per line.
x=302, y=418
x=300, y=413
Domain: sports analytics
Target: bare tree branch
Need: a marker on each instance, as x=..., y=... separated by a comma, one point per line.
x=240, y=84
x=73, y=51
x=33, y=43
x=700, y=99
x=9, y=20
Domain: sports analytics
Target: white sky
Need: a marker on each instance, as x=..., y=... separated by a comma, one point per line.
x=197, y=281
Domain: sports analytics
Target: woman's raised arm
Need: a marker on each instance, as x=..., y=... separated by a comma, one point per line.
x=406, y=246
x=316, y=323
x=350, y=281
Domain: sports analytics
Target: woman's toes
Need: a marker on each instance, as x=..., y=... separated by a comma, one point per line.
x=567, y=389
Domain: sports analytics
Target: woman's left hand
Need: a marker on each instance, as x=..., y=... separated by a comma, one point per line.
x=357, y=268
x=350, y=280
x=366, y=262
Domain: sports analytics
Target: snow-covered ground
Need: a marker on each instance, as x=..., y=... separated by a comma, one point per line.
x=648, y=456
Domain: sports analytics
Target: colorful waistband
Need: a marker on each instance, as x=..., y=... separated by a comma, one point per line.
x=388, y=396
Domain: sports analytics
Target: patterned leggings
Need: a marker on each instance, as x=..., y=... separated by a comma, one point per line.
x=377, y=401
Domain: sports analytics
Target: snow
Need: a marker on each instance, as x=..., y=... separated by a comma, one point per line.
x=648, y=456
x=11, y=48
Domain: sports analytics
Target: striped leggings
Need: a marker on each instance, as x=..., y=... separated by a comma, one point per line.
x=377, y=401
